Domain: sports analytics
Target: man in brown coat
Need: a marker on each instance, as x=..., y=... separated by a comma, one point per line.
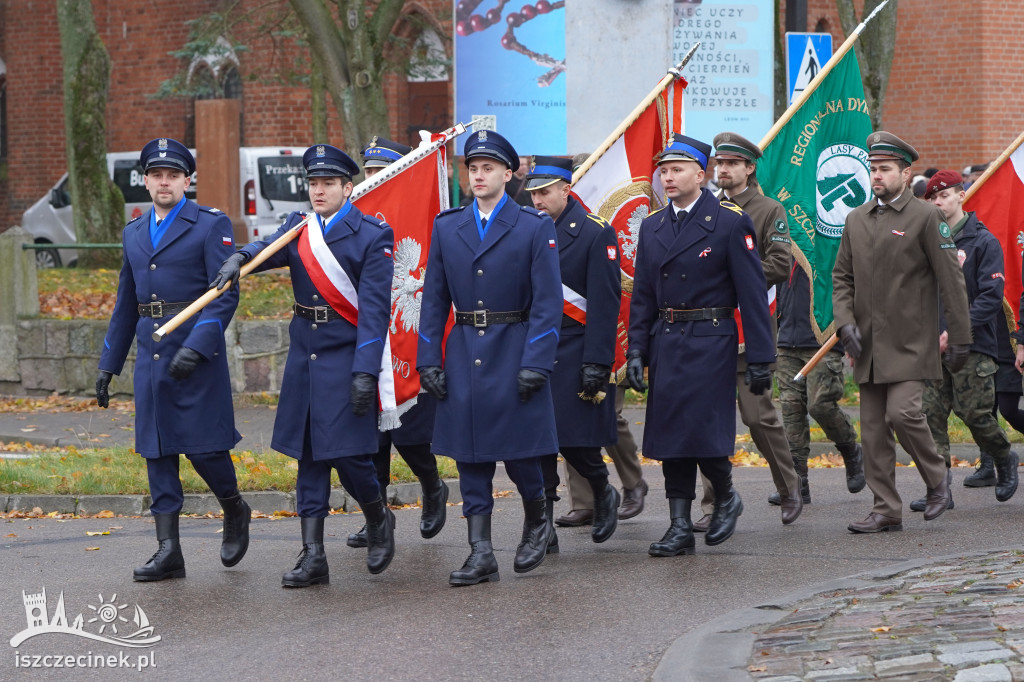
x=736, y=160
x=895, y=257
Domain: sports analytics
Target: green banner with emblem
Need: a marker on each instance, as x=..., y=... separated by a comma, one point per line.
x=817, y=168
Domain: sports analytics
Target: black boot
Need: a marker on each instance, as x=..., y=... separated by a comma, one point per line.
x=723, y=518
x=985, y=475
x=235, y=542
x=805, y=486
x=606, y=513
x=380, y=535
x=311, y=569
x=1006, y=477
x=853, y=458
x=678, y=539
x=480, y=566
x=435, y=504
x=168, y=561
x=919, y=504
x=357, y=539
x=536, y=535
x=549, y=507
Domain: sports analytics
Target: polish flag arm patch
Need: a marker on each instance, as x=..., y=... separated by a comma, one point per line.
x=551, y=243
x=388, y=253
x=611, y=253
x=226, y=241
x=750, y=242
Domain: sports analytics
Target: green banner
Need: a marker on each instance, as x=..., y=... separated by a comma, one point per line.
x=817, y=167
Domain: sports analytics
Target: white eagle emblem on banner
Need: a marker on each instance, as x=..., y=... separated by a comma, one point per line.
x=407, y=286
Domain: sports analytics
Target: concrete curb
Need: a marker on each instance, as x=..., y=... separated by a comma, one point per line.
x=266, y=502
x=720, y=649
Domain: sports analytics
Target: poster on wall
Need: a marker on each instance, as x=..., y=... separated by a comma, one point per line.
x=731, y=75
x=510, y=71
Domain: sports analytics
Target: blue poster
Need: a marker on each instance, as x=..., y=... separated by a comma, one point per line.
x=731, y=75
x=510, y=69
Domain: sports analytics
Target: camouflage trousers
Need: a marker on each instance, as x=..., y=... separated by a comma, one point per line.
x=971, y=394
x=818, y=397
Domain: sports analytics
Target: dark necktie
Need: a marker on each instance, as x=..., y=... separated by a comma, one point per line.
x=677, y=223
x=158, y=221
x=483, y=223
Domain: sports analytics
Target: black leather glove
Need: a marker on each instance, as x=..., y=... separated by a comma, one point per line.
x=229, y=271
x=593, y=378
x=850, y=336
x=530, y=381
x=635, y=371
x=758, y=377
x=956, y=357
x=184, y=363
x=432, y=378
x=102, y=384
x=364, y=390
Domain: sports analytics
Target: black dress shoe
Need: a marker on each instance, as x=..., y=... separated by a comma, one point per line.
x=876, y=523
x=678, y=539
x=380, y=535
x=606, y=514
x=702, y=524
x=435, y=505
x=235, y=540
x=357, y=539
x=723, y=519
x=577, y=517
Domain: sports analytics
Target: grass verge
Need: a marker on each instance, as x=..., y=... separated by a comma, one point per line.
x=119, y=471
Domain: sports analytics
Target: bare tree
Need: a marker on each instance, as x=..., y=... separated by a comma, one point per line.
x=98, y=203
x=875, y=49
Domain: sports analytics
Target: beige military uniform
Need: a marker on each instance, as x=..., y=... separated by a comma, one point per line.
x=892, y=264
x=758, y=412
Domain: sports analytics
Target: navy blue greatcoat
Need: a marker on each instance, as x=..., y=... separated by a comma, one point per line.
x=193, y=416
x=589, y=261
x=323, y=356
x=713, y=263
x=515, y=267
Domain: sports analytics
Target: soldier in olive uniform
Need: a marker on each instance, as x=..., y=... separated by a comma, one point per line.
x=971, y=392
x=895, y=257
x=736, y=161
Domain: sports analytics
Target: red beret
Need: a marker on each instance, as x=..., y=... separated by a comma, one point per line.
x=944, y=179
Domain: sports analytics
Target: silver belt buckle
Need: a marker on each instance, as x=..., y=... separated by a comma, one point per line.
x=479, y=318
x=156, y=309
x=317, y=311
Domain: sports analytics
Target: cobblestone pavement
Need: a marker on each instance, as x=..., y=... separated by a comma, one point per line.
x=961, y=619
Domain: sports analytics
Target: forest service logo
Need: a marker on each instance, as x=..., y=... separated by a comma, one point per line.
x=841, y=185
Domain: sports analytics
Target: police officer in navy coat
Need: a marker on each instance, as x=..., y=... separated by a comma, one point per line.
x=497, y=262
x=182, y=386
x=697, y=261
x=591, y=288
x=412, y=438
x=327, y=414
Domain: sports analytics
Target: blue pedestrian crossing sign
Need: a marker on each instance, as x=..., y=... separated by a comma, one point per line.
x=806, y=54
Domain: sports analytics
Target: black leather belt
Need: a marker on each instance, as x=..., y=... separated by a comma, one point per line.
x=485, y=318
x=320, y=313
x=158, y=309
x=671, y=315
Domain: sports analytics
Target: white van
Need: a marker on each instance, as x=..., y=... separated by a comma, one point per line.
x=272, y=186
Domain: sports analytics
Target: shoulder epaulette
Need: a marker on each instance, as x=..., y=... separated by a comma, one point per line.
x=134, y=219
x=732, y=207
x=658, y=210
x=531, y=210
x=209, y=209
x=453, y=209
x=599, y=220
x=373, y=220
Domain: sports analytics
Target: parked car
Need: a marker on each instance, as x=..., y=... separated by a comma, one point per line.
x=272, y=186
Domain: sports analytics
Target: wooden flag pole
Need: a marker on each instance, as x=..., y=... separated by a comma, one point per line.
x=994, y=166
x=362, y=188
x=815, y=359
x=817, y=80
x=673, y=73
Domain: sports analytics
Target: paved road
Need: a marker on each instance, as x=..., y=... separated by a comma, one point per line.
x=594, y=612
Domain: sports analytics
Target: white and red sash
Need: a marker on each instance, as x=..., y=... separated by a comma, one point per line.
x=574, y=305
x=334, y=284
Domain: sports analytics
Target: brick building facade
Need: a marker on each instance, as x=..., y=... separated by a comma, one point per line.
x=953, y=90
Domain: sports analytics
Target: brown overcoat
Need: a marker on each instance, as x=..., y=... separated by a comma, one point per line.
x=892, y=264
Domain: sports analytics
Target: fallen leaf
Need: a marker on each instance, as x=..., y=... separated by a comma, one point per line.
x=12, y=535
x=884, y=628
x=28, y=430
x=756, y=668
x=91, y=549
x=115, y=527
x=1014, y=584
x=105, y=514
x=91, y=533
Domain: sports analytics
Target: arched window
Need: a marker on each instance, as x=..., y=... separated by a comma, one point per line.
x=428, y=62
x=215, y=74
